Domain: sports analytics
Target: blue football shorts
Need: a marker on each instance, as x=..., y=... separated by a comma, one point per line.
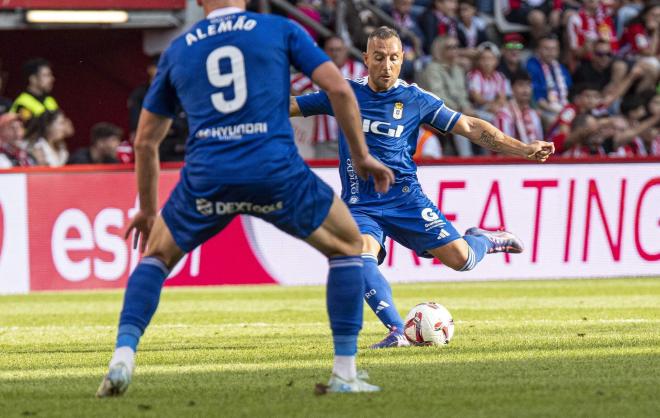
x=297, y=204
x=416, y=223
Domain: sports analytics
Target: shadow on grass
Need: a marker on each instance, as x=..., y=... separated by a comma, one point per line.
x=613, y=385
x=578, y=341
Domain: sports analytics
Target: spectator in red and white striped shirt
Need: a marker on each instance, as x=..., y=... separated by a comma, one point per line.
x=326, y=130
x=486, y=85
x=591, y=23
x=337, y=50
x=517, y=119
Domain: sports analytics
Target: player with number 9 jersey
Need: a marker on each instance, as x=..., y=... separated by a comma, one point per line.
x=245, y=73
x=230, y=73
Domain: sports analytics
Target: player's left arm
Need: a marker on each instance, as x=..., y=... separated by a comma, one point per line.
x=435, y=113
x=483, y=133
x=152, y=129
x=158, y=111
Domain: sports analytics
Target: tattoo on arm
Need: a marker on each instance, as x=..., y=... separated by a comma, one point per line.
x=489, y=141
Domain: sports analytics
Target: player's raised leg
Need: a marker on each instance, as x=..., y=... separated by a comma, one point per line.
x=464, y=254
x=378, y=295
x=339, y=239
x=140, y=302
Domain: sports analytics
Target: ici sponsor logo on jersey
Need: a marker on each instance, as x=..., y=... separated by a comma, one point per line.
x=381, y=128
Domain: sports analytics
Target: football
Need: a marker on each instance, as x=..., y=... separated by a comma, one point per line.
x=429, y=324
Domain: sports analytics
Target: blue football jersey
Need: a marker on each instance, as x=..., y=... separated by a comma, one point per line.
x=390, y=122
x=230, y=73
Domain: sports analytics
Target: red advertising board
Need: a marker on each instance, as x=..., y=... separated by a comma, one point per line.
x=94, y=4
x=77, y=222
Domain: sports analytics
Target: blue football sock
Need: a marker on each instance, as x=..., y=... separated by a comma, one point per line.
x=478, y=247
x=140, y=300
x=479, y=244
x=378, y=294
x=344, y=299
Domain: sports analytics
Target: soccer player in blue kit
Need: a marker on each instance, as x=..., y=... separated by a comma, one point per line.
x=230, y=72
x=392, y=112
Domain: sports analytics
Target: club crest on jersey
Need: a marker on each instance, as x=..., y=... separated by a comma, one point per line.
x=398, y=110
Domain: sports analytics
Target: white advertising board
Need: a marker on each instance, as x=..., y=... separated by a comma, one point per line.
x=576, y=220
x=14, y=264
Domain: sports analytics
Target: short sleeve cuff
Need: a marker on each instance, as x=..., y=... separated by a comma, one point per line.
x=159, y=110
x=445, y=119
x=312, y=62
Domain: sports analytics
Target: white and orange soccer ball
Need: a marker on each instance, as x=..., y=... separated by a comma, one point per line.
x=429, y=324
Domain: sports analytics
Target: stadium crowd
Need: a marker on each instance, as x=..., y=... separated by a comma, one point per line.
x=583, y=74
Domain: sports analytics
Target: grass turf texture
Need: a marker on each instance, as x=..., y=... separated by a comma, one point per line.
x=569, y=348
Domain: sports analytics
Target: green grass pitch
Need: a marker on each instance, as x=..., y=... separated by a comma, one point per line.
x=521, y=349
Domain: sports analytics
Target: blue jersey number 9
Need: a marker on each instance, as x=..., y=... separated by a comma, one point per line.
x=236, y=76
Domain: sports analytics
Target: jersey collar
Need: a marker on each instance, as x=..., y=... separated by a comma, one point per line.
x=365, y=81
x=224, y=11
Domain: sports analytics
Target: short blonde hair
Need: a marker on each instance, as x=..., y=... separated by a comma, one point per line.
x=384, y=32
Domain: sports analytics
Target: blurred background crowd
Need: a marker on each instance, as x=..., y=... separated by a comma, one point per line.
x=581, y=73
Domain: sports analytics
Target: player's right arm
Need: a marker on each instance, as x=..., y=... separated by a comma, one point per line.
x=483, y=133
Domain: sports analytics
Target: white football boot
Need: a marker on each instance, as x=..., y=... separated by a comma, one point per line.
x=116, y=381
x=359, y=384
